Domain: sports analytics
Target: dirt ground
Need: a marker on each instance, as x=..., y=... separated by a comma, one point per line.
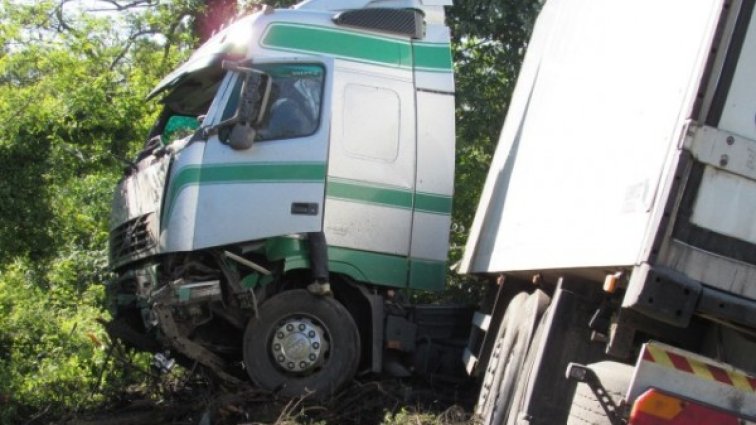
x=364, y=402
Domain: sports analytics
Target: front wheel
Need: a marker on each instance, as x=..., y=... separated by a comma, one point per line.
x=302, y=344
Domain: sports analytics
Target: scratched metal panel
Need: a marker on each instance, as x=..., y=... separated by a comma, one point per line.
x=592, y=135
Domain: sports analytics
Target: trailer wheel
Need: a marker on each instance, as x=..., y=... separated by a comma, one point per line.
x=301, y=344
x=586, y=409
x=522, y=384
x=504, y=382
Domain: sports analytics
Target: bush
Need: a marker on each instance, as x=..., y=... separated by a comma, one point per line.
x=49, y=339
x=53, y=352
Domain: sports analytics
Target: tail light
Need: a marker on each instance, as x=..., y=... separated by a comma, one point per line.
x=657, y=408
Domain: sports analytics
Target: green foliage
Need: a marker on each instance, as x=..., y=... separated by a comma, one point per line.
x=72, y=101
x=407, y=417
x=53, y=351
x=48, y=338
x=72, y=87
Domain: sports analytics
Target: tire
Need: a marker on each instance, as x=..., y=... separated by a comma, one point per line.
x=302, y=344
x=507, y=375
x=586, y=409
x=516, y=406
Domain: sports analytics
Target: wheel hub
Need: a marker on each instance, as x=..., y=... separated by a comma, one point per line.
x=298, y=345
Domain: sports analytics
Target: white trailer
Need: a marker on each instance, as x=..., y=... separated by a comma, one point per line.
x=618, y=218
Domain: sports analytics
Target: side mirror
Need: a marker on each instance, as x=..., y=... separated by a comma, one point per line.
x=253, y=104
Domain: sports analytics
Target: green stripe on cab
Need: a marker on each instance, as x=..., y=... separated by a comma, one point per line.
x=358, y=47
x=381, y=269
x=428, y=275
x=393, y=197
x=363, y=266
x=351, y=190
x=433, y=203
x=432, y=57
x=263, y=172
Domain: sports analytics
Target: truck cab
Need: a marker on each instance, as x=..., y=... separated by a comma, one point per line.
x=331, y=116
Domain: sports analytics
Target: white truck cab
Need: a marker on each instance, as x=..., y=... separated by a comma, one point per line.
x=332, y=116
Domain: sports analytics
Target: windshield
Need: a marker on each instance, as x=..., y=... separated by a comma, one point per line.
x=185, y=104
x=229, y=44
x=295, y=101
x=190, y=88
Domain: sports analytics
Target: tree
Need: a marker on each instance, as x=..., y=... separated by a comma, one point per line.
x=214, y=15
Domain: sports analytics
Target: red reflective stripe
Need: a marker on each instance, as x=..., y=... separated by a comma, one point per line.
x=719, y=374
x=680, y=362
x=683, y=364
x=647, y=356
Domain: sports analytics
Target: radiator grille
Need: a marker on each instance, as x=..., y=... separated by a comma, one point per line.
x=131, y=240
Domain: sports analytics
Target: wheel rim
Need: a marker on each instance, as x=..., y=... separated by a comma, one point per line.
x=299, y=345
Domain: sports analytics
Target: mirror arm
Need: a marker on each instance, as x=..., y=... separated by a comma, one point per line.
x=235, y=67
x=229, y=122
x=212, y=130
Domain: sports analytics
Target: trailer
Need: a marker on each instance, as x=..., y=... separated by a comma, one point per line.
x=617, y=221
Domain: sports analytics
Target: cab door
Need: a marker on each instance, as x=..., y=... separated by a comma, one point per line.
x=371, y=175
x=277, y=186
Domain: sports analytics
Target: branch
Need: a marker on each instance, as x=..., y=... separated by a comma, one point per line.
x=58, y=12
x=121, y=7
x=129, y=43
x=169, y=36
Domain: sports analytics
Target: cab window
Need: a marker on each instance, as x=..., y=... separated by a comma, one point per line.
x=295, y=101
